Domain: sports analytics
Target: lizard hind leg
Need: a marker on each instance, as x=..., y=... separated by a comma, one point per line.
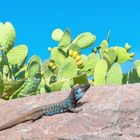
x=37, y=115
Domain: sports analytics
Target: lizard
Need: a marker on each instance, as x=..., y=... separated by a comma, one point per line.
x=67, y=105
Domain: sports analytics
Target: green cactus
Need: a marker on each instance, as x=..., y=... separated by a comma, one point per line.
x=29, y=87
x=56, y=86
x=57, y=34
x=110, y=56
x=137, y=66
x=127, y=47
x=1, y=86
x=132, y=76
x=66, y=85
x=124, y=79
x=57, y=56
x=100, y=72
x=10, y=86
x=122, y=54
x=65, y=40
x=84, y=40
x=48, y=73
x=7, y=36
x=103, y=47
x=17, y=56
x=80, y=79
x=90, y=63
x=34, y=66
x=31, y=84
x=1, y=25
x=114, y=75
x=68, y=69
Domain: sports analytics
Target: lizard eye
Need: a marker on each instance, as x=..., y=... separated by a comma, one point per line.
x=76, y=92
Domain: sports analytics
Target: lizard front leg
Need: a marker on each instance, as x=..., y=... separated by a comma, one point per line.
x=74, y=110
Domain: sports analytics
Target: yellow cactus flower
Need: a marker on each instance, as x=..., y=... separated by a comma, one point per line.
x=54, y=67
x=51, y=64
x=80, y=62
x=70, y=52
x=75, y=53
x=77, y=58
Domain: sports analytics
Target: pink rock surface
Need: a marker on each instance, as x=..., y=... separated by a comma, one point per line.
x=109, y=113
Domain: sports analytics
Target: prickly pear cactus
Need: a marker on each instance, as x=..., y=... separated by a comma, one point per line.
x=114, y=75
x=65, y=40
x=103, y=47
x=123, y=55
x=57, y=34
x=100, y=72
x=7, y=36
x=68, y=69
x=10, y=86
x=132, y=76
x=84, y=40
x=110, y=56
x=57, y=56
x=80, y=79
x=34, y=66
x=137, y=67
x=1, y=86
x=90, y=63
x=28, y=88
x=31, y=84
x=17, y=56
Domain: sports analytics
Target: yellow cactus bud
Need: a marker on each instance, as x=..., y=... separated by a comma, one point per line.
x=75, y=53
x=80, y=62
x=54, y=67
x=51, y=64
x=70, y=52
x=77, y=58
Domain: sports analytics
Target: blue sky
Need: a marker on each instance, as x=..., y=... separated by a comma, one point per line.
x=34, y=21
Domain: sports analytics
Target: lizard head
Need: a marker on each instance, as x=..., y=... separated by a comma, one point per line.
x=79, y=91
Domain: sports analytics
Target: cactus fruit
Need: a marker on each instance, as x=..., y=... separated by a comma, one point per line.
x=80, y=63
x=75, y=53
x=78, y=58
x=71, y=52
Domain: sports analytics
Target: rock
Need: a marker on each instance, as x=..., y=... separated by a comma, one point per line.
x=109, y=113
